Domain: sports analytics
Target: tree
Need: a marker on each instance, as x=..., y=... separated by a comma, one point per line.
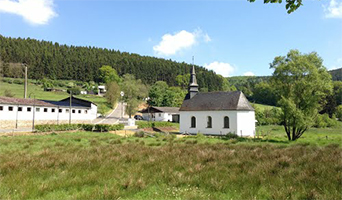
x=301, y=81
x=183, y=80
x=332, y=100
x=134, y=91
x=162, y=95
x=46, y=83
x=264, y=94
x=291, y=5
x=113, y=93
x=339, y=112
x=108, y=74
x=157, y=92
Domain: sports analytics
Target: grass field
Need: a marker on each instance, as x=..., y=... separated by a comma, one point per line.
x=88, y=165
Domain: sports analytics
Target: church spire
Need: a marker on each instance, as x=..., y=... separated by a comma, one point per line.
x=193, y=86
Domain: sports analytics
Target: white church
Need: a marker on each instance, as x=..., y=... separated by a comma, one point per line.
x=216, y=113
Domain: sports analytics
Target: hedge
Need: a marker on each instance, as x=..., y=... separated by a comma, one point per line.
x=146, y=124
x=82, y=127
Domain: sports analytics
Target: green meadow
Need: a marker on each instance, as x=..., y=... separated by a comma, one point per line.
x=93, y=165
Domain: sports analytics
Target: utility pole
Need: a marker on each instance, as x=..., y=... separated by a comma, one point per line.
x=34, y=111
x=25, y=85
x=70, y=107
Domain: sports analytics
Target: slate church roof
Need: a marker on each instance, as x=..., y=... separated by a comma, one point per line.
x=211, y=101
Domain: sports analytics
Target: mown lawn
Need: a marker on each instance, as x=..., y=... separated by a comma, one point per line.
x=87, y=165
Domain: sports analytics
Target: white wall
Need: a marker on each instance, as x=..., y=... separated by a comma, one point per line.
x=86, y=113
x=238, y=120
x=158, y=116
x=246, y=123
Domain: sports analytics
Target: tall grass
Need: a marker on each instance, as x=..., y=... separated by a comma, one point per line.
x=104, y=166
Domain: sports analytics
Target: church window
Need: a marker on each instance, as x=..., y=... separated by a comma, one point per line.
x=209, y=122
x=226, y=122
x=193, y=122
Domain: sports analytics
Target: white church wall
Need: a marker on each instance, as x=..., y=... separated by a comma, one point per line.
x=246, y=123
x=201, y=122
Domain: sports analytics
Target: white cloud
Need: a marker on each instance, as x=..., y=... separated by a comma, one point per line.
x=172, y=44
x=206, y=38
x=224, y=69
x=249, y=74
x=334, y=10
x=34, y=11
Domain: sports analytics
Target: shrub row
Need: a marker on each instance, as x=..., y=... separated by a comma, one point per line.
x=268, y=116
x=84, y=127
x=323, y=121
x=146, y=124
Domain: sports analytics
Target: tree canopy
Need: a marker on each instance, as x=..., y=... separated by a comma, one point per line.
x=301, y=81
x=291, y=5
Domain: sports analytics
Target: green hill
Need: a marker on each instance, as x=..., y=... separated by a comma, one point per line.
x=55, y=61
x=336, y=74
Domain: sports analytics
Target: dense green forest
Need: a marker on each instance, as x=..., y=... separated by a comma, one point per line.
x=336, y=74
x=55, y=61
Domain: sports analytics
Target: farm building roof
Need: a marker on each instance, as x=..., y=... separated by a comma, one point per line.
x=154, y=109
x=76, y=102
x=217, y=101
x=29, y=102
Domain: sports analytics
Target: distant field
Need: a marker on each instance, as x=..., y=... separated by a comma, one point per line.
x=85, y=165
x=36, y=91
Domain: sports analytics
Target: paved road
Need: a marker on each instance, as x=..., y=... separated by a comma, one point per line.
x=114, y=117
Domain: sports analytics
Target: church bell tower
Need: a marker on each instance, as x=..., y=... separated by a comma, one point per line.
x=193, y=86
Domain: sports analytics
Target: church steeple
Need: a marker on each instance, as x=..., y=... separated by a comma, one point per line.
x=193, y=86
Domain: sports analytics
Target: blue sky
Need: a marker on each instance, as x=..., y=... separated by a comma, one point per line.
x=231, y=37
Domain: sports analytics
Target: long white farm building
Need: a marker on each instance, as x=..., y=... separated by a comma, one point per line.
x=16, y=112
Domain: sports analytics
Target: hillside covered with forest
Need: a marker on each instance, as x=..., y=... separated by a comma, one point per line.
x=56, y=61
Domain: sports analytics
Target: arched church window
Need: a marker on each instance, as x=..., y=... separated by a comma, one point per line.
x=209, y=122
x=193, y=122
x=226, y=122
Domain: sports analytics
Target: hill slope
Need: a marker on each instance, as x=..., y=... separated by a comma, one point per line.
x=55, y=61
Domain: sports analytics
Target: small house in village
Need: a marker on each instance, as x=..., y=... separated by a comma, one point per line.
x=167, y=114
x=16, y=112
x=216, y=113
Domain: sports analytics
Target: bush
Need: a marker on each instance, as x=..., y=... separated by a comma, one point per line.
x=339, y=112
x=88, y=127
x=84, y=127
x=268, y=116
x=7, y=80
x=139, y=134
x=74, y=90
x=18, y=81
x=231, y=136
x=146, y=124
x=102, y=127
x=323, y=121
x=8, y=93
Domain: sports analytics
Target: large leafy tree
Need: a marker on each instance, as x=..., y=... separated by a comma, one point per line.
x=291, y=5
x=108, y=74
x=162, y=95
x=301, y=81
x=134, y=91
x=113, y=93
